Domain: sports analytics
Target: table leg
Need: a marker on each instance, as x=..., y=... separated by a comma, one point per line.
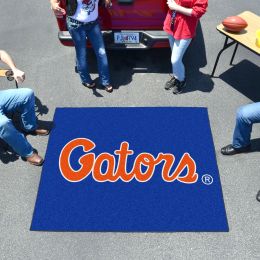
x=234, y=53
x=226, y=45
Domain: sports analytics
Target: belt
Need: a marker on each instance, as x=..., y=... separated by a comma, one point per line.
x=81, y=23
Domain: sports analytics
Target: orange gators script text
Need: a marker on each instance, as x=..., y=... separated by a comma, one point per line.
x=142, y=170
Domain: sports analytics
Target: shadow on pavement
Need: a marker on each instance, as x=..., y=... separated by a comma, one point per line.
x=255, y=145
x=45, y=124
x=194, y=59
x=95, y=92
x=245, y=78
x=40, y=109
x=124, y=64
x=6, y=154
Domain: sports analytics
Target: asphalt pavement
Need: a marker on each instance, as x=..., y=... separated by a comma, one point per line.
x=28, y=31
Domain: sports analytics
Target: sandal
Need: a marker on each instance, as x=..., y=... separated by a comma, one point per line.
x=89, y=85
x=108, y=88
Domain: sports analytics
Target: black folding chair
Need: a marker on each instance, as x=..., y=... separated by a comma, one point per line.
x=9, y=75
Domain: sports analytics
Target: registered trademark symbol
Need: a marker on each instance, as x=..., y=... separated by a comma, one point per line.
x=207, y=179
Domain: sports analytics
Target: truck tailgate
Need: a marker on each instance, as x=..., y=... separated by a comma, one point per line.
x=134, y=15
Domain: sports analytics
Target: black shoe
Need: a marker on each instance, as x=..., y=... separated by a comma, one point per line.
x=170, y=83
x=258, y=196
x=230, y=150
x=178, y=86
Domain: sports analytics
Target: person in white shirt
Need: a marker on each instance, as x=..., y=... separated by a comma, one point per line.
x=82, y=23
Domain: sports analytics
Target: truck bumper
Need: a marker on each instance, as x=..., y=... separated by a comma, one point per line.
x=147, y=40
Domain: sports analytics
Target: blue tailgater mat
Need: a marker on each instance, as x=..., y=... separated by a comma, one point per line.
x=150, y=169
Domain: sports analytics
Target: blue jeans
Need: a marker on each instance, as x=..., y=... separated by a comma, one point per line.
x=17, y=101
x=178, y=48
x=246, y=116
x=80, y=33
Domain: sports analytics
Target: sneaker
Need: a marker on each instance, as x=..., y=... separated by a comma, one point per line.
x=178, y=86
x=170, y=83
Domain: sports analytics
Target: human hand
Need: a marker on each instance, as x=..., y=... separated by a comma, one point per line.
x=172, y=5
x=18, y=75
x=108, y=3
x=58, y=11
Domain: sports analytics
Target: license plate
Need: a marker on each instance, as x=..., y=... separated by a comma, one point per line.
x=126, y=37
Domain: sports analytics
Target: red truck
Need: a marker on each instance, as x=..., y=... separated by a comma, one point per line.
x=131, y=24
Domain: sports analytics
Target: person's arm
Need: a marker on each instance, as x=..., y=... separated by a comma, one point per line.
x=180, y=9
x=58, y=11
x=199, y=8
x=18, y=75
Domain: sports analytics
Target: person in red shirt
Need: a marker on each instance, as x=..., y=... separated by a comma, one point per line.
x=180, y=24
